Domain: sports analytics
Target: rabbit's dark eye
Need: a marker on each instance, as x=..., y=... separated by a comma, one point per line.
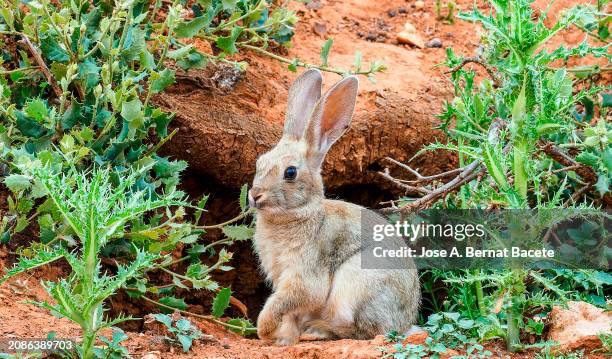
x=290, y=173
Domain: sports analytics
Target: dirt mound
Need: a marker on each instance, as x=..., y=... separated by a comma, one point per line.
x=221, y=134
x=578, y=326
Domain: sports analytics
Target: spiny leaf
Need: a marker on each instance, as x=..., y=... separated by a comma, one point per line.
x=243, y=197
x=221, y=302
x=228, y=43
x=325, y=51
x=178, y=303
x=238, y=232
x=162, y=80
x=17, y=182
x=53, y=50
x=191, y=28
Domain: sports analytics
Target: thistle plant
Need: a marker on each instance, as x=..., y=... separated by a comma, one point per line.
x=530, y=133
x=97, y=211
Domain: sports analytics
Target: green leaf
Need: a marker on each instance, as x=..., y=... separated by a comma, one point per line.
x=37, y=109
x=243, y=197
x=228, y=43
x=603, y=184
x=185, y=341
x=325, y=51
x=221, y=302
x=293, y=65
x=29, y=127
x=17, y=183
x=183, y=324
x=52, y=50
x=238, y=232
x=178, y=303
x=72, y=116
x=180, y=52
x=90, y=73
x=438, y=348
x=164, y=319
x=191, y=28
x=229, y=5
x=159, y=81
x=246, y=327
x=201, y=204
x=147, y=60
x=587, y=158
x=606, y=100
x=135, y=44
x=465, y=323
x=131, y=110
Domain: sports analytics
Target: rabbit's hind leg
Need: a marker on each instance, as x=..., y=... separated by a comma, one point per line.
x=313, y=333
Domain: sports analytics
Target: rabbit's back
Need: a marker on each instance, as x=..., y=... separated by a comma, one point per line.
x=364, y=302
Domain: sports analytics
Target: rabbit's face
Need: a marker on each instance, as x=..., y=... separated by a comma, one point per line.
x=288, y=177
x=284, y=179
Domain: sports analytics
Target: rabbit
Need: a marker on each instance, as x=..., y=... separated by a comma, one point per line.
x=308, y=246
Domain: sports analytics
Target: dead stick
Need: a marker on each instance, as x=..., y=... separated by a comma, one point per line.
x=420, y=177
x=470, y=172
x=477, y=60
x=564, y=159
x=43, y=67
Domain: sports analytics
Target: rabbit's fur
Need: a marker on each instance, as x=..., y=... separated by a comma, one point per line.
x=309, y=246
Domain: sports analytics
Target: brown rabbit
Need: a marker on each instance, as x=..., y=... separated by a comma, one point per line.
x=309, y=246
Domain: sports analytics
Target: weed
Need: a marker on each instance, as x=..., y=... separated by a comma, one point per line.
x=181, y=331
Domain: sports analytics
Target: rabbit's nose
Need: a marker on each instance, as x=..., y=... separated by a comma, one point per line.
x=255, y=197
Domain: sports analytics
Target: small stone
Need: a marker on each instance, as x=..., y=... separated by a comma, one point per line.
x=419, y=4
x=371, y=36
x=152, y=355
x=409, y=27
x=410, y=38
x=319, y=28
x=435, y=42
x=402, y=10
x=314, y=5
x=392, y=13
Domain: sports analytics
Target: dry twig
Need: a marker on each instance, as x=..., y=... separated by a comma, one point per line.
x=477, y=60
x=474, y=170
x=43, y=67
x=564, y=159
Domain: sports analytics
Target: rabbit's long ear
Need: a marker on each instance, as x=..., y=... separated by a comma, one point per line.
x=331, y=117
x=303, y=96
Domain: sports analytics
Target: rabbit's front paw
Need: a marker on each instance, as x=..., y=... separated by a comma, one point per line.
x=266, y=325
x=284, y=341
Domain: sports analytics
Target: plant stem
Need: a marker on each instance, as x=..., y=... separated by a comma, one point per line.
x=205, y=317
x=300, y=63
x=223, y=224
x=88, y=345
x=480, y=297
x=513, y=331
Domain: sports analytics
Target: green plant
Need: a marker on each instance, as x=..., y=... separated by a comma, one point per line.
x=182, y=330
x=446, y=330
x=606, y=343
x=450, y=15
x=96, y=211
x=113, y=349
x=531, y=134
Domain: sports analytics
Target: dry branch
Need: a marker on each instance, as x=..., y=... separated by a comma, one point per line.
x=477, y=60
x=43, y=67
x=473, y=170
x=564, y=159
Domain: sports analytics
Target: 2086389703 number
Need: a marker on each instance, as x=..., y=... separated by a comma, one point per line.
x=14, y=345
